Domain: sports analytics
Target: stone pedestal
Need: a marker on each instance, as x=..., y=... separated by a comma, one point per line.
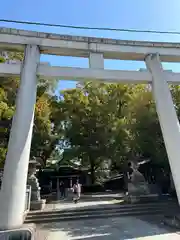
x=38, y=205
x=36, y=202
x=142, y=198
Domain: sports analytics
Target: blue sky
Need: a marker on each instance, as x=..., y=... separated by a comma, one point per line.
x=135, y=14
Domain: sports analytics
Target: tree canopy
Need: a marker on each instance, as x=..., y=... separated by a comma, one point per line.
x=109, y=124
x=45, y=133
x=100, y=126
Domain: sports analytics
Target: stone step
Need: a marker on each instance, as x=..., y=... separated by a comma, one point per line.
x=94, y=216
x=54, y=216
x=104, y=207
x=78, y=213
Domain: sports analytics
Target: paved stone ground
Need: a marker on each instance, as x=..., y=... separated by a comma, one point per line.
x=87, y=201
x=122, y=228
x=88, y=205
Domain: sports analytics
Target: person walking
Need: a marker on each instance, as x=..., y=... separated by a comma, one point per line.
x=127, y=177
x=62, y=189
x=77, y=191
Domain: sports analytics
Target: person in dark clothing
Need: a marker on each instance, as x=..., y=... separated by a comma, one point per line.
x=129, y=170
x=127, y=177
x=62, y=189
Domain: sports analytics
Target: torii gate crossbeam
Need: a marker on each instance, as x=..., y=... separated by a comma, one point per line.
x=79, y=46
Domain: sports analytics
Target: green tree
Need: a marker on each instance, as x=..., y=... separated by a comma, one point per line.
x=45, y=134
x=146, y=136
x=8, y=89
x=93, y=121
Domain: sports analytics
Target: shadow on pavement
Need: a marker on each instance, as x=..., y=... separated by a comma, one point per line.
x=112, y=228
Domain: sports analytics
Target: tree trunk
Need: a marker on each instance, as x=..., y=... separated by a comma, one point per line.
x=92, y=176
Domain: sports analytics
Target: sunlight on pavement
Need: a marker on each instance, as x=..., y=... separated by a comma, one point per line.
x=105, y=195
x=114, y=201
x=62, y=206
x=63, y=236
x=167, y=236
x=91, y=236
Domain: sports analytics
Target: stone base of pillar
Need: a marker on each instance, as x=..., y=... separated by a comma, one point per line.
x=38, y=205
x=141, y=199
x=172, y=221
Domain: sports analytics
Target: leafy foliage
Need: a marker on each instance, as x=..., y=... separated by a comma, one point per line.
x=45, y=133
x=105, y=125
x=100, y=126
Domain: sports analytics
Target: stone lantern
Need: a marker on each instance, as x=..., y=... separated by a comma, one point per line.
x=36, y=202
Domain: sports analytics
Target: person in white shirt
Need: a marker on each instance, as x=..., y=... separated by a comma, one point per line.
x=77, y=191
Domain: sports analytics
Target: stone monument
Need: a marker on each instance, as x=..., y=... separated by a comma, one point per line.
x=36, y=202
x=138, y=188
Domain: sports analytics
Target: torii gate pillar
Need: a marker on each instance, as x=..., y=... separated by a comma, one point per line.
x=13, y=190
x=167, y=116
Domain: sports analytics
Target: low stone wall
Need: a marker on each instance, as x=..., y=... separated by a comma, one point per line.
x=26, y=232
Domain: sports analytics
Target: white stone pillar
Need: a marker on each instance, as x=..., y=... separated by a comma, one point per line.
x=167, y=116
x=96, y=60
x=12, y=195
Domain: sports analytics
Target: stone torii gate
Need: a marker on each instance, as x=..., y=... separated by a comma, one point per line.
x=12, y=195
